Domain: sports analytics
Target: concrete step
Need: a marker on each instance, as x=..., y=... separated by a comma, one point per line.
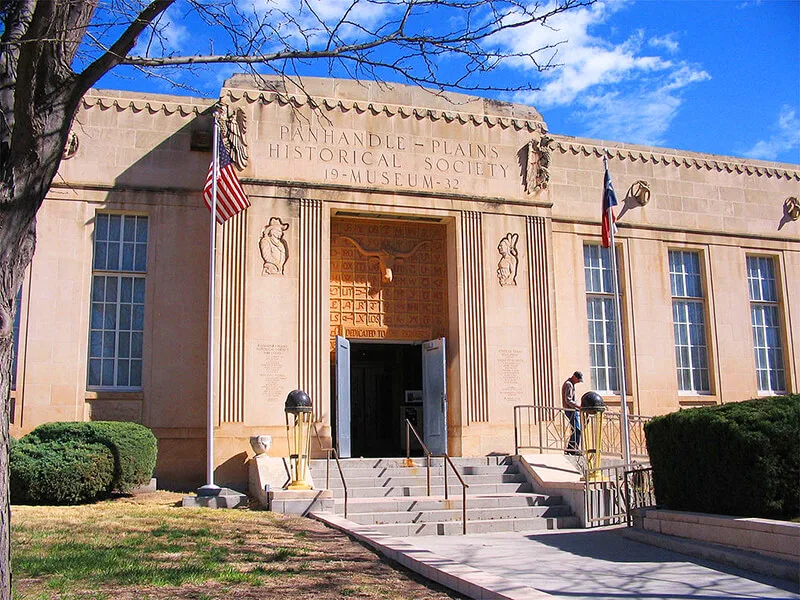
x=390, y=496
x=319, y=470
x=372, y=463
x=420, y=481
x=481, y=526
x=437, y=491
x=473, y=514
x=428, y=503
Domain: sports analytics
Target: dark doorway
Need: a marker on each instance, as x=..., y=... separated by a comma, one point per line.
x=385, y=389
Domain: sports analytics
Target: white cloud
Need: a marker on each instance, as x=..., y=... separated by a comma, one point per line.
x=313, y=19
x=668, y=42
x=630, y=91
x=169, y=36
x=785, y=137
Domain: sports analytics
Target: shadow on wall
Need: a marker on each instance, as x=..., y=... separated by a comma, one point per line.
x=233, y=473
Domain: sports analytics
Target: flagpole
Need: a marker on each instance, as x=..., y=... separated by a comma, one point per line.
x=624, y=425
x=210, y=486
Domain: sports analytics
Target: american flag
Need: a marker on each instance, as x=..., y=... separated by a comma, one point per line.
x=231, y=198
x=609, y=202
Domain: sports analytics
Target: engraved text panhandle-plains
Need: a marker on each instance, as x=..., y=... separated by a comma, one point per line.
x=389, y=160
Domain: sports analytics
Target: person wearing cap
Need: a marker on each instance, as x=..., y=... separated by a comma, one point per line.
x=572, y=411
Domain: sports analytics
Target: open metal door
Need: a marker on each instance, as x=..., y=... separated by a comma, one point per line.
x=434, y=396
x=343, y=397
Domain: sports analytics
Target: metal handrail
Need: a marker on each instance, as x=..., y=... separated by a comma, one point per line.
x=445, y=461
x=328, y=451
x=546, y=428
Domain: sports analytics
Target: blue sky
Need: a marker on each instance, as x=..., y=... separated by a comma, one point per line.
x=713, y=76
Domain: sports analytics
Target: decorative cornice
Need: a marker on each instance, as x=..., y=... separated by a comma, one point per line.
x=190, y=108
x=651, y=155
x=377, y=108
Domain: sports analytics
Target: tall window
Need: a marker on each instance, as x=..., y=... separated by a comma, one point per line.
x=602, y=318
x=688, y=318
x=765, y=317
x=117, y=316
x=18, y=304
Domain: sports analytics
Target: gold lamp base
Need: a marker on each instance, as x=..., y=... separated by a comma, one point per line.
x=299, y=485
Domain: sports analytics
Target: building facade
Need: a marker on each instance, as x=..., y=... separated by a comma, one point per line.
x=406, y=255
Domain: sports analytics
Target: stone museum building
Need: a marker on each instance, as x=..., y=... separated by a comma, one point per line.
x=406, y=255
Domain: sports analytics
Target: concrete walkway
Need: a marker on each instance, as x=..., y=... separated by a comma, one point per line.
x=575, y=564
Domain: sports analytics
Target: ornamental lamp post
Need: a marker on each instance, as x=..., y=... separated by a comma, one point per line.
x=297, y=412
x=592, y=409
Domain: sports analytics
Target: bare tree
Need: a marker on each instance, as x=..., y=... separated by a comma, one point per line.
x=52, y=52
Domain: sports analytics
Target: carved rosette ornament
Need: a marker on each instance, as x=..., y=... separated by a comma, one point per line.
x=273, y=248
x=71, y=147
x=537, y=176
x=640, y=191
x=791, y=208
x=234, y=130
x=507, y=266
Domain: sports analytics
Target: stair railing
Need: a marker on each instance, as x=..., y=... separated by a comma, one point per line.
x=445, y=461
x=328, y=450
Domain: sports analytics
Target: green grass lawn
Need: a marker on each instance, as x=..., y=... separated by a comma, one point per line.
x=146, y=547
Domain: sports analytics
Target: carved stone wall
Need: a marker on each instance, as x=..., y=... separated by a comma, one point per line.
x=541, y=319
x=412, y=304
x=310, y=323
x=476, y=392
x=232, y=315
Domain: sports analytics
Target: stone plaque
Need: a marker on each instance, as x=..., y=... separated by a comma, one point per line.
x=271, y=362
x=510, y=374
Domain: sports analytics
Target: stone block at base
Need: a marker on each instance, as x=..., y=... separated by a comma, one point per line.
x=225, y=498
x=147, y=488
x=300, y=502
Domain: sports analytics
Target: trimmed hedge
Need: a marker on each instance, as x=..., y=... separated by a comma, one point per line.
x=132, y=446
x=56, y=472
x=739, y=459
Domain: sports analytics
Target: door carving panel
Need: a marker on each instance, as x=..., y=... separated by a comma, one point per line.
x=388, y=280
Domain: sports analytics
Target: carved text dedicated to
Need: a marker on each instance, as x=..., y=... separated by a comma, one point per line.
x=403, y=161
x=271, y=369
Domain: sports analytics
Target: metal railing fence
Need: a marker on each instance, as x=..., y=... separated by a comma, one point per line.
x=612, y=493
x=546, y=429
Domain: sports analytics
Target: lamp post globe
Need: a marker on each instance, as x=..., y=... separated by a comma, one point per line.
x=298, y=414
x=592, y=409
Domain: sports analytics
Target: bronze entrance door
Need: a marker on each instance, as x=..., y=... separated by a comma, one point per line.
x=388, y=294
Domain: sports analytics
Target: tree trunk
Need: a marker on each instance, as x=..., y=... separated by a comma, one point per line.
x=17, y=243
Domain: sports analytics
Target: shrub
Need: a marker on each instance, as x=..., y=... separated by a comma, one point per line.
x=738, y=459
x=133, y=446
x=56, y=472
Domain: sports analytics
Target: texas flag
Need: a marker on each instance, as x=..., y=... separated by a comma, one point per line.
x=609, y=202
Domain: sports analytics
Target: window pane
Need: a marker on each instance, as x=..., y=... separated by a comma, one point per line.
x=124, y=344
x=117, y=309
x=123, y=368
x=127, y=257
x=765, y=316
x=141, y=231
x=100, y=256
x=138, y=290
x=15, y=347
x=108, y=373
x=101, y=227
x=94, y=372
x=691, y=354
x=140, y=260
x=136, y=373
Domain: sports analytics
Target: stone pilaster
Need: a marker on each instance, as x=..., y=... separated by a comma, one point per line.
x=233, y=239
x=312, y=338
x=541, y=310
x=476, y=396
